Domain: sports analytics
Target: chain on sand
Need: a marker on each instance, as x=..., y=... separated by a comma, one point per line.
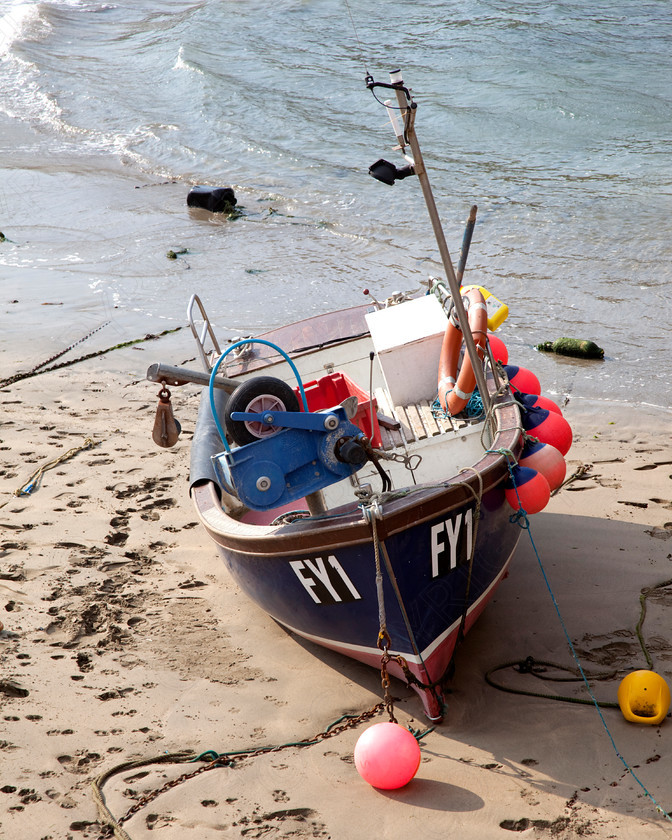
x=215, y=760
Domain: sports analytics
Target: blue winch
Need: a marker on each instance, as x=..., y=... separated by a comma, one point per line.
x=310, y=451
x=295, y=461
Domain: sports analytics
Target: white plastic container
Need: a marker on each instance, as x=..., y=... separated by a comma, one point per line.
x=407, y=339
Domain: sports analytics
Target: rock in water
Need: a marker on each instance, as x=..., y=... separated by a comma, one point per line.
x=578, y=347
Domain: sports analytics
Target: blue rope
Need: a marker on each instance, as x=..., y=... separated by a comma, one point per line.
x=213, y=374
x=474, y=408
x=521, y=519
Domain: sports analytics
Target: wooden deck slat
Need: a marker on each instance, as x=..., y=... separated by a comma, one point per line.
x=391, y=438
x=406, y=430
x=415, y=422
x=425, y=411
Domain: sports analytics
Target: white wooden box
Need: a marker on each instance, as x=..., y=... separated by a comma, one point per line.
x=407, y=339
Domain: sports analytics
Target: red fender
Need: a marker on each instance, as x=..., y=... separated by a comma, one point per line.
x=454, y=390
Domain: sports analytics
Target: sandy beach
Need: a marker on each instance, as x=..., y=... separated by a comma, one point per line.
x=125, y=640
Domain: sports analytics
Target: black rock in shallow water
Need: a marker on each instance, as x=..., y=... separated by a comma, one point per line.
x=214, y=199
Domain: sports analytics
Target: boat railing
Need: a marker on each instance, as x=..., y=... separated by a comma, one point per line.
x=208, y=357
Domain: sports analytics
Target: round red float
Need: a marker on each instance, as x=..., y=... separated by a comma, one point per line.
x=498, y=348
x=545, y=459
x=528, y=489
x=536, y=401
x=387, y=756
x=549, y=427
x=523, y=379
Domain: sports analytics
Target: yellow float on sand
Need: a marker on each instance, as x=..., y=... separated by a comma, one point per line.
x=644, y=697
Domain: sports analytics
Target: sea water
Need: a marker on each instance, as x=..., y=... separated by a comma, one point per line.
x=553, y=118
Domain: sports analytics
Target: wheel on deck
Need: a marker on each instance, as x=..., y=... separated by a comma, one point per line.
x=263, y=393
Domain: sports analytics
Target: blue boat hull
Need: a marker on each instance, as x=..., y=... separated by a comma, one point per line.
x=433, y=589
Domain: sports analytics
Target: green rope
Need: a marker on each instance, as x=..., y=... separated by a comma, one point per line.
x=535, y=667
x=212, y=759
x=648, y=590
x=40, y=369
x=524, y=523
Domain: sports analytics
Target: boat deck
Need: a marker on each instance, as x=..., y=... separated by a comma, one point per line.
x=414, y=423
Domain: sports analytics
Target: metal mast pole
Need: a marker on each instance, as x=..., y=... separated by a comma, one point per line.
x=421, y=172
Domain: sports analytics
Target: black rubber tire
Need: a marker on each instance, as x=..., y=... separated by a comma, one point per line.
x=263, y=393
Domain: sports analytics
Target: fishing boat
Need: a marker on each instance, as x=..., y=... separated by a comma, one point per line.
x=353, y=506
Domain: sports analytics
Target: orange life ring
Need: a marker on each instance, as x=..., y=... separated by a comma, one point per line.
x=454, y=390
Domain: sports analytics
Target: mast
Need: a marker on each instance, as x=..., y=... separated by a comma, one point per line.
x=408, y=110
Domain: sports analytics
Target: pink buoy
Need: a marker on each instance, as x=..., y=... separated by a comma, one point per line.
x=549, y=427
x=523, y=379
x=498, y=348
x=545, y=459
x=387, y=756
x=536, y=401
x=528, y=489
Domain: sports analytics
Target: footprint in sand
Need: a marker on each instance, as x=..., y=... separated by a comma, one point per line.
x=89, y=829
x=81, y=762
x=153, y=821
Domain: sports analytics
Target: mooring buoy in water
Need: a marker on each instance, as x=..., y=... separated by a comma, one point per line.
x=214, y=199
x=644, y=697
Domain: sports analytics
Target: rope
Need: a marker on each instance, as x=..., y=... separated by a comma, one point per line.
x=477, y=517
x=33, y=483
x=644, y=594
x=98, y=782
x=523, y=521
x=213, y=759
x=474, y=408
x=532, y=666
x=370, y=507
x=359, y=43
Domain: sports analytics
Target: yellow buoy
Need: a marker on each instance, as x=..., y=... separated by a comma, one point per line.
x=644, y=697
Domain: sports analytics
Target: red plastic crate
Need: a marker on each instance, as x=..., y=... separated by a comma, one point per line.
x=330, y=390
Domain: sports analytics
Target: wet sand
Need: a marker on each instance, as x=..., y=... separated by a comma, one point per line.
x=125, y=639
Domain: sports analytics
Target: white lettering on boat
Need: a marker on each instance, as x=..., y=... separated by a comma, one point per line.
x=325, y=581
x=459, y=531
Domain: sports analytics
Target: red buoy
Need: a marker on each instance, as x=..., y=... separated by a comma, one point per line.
x=498, y=348
x=545, y=459
x=549, y=427
x=523, y=379
x=528, y=489
x=536, y=401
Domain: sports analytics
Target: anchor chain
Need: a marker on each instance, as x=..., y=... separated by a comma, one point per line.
x=216, y=760
x=384, y=642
